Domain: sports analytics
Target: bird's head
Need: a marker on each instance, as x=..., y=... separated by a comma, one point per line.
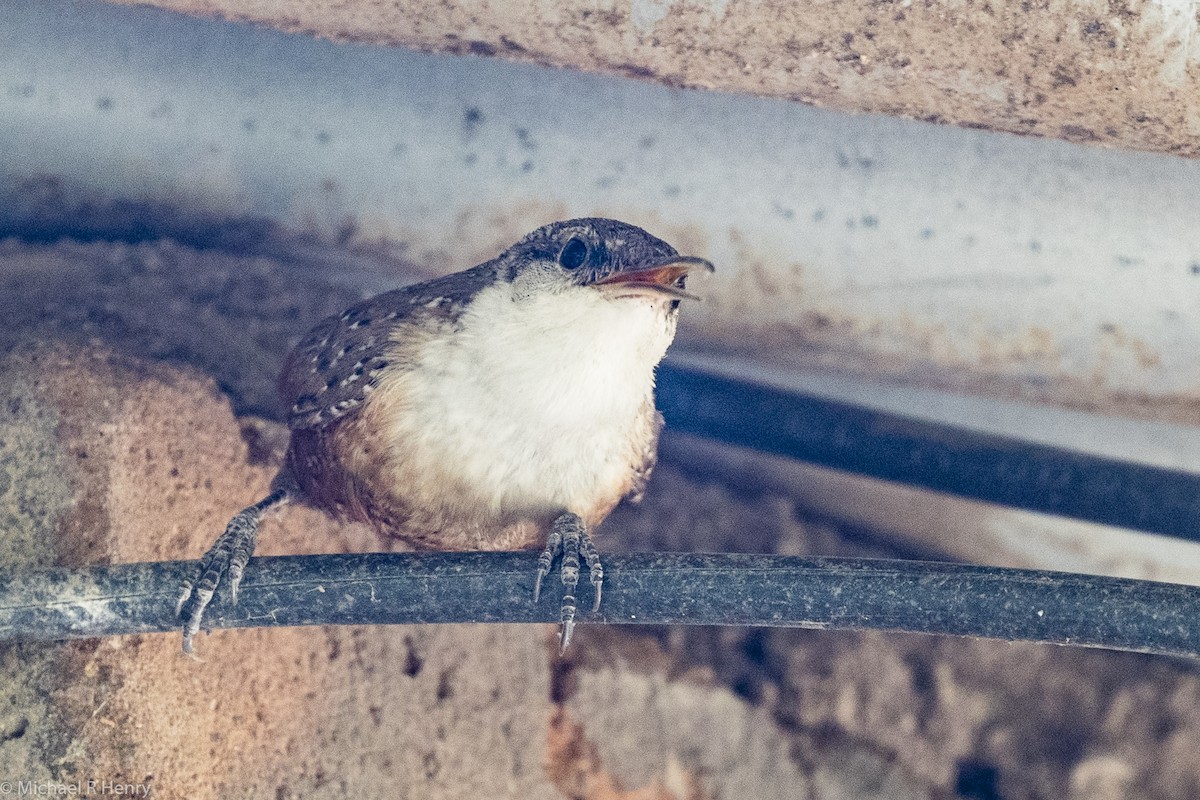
x=618, y=260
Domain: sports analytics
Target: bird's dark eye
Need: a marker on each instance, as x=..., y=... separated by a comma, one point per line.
x=573, y=254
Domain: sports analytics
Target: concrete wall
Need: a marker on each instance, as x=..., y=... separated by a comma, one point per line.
x=1121, y=72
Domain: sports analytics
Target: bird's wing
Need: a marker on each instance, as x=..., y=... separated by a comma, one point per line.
x=330, y=373
x=646, y=459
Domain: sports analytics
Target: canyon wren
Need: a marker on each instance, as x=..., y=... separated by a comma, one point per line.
x=506, y=407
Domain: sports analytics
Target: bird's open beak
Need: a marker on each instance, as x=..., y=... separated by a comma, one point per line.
x=663, y=279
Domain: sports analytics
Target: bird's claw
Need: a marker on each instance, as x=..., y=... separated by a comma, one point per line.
x=228, y=555
x=567, y=625
x=546, y=559
x=569, y=538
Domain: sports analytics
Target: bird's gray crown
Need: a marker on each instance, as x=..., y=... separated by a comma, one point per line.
x=590, y=248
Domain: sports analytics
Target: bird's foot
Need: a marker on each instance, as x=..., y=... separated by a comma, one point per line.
x=228, y=555
x=569, y=537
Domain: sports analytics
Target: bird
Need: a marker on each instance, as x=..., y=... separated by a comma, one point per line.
x=509, y=406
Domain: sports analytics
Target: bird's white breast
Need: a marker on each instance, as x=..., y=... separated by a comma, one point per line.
x=534, y=404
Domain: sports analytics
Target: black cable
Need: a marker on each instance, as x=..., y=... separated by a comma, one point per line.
x=935, y=456
x=640, y=588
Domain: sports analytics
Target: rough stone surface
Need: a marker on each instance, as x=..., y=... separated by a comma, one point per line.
x=267, y=712
x=110, y=453
x=231, y=317
x=657, y=731
x=1116, y=73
